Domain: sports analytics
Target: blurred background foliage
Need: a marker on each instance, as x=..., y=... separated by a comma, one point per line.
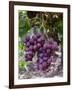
x=50, y=23
x=24, y=24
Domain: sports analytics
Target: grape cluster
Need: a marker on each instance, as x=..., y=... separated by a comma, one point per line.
x=45, y=50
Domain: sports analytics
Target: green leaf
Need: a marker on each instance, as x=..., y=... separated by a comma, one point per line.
x=21, y=46
x=22, y=64
x=24, y=24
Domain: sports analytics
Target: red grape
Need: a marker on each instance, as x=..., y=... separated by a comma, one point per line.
x=34, y=37
x=40, y=60
x=38, y=45
x=38, y=35
x=31, y=41
x=35, y=47
x=27, y=44
x=44, y=64
x=27, y=38
x=45, y=58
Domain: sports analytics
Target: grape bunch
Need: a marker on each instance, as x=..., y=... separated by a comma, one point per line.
x=45, y=50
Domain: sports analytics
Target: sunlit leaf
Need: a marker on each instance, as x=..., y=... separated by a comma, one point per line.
x=22, y=64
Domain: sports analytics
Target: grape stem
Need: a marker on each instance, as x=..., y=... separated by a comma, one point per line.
x=58, y=53
x=26, y=68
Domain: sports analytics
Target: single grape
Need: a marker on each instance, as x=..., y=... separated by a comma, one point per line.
x=31, y=47
x=40, y=67
x=45, y=54
x=50, y=41
x=44, y=64
x=29, y=52
x=27, y=44
x=28, y=57
x=55, y=46
x=27, y=49
x=44, y=51
x=34, y=37
x=49, y=61
x=27, y=38
x=41, y=55
x=42, y=38
x=54, y=58
x=45, y=58
x=45, y=46
x=42, y=41
x=35, y=47
x=35, y=42
x=36, y=66
x=48, y=51
x=55, y=43
x=31, y=41
x=40, y=60
x=49, y=46
x=38, y=35
x=38, y=45
x=39, y=40
x=40, y=49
